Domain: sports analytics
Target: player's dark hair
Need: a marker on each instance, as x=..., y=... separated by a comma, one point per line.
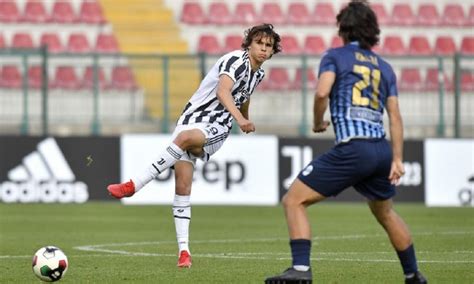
x=260, y=31
x=358, y=22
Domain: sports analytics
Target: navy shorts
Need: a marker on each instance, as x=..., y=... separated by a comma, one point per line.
x=362, y=163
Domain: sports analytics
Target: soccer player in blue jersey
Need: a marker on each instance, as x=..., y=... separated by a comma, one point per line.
x=357, y=85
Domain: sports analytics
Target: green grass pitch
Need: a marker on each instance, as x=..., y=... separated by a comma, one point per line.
x=111, y=243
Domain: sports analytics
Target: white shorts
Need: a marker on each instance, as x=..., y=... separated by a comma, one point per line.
x=215, y=135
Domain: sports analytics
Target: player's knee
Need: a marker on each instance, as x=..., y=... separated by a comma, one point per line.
x=184, y=140
x=182, y=188
x=289, y=200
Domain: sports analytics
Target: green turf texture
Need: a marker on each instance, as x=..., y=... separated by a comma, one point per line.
x=136, y=244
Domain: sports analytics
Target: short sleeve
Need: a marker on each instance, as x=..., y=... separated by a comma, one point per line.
x=229, y=67
x=328, y=63
x=392, y=84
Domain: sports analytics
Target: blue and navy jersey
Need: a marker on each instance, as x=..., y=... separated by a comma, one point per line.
x=358, y=97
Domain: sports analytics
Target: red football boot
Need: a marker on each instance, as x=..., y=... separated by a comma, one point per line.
x=184, y=259
x=121, y=190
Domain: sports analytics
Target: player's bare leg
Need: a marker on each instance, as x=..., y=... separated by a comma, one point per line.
x=295, y=202
x=182, y=210
x=400, y=238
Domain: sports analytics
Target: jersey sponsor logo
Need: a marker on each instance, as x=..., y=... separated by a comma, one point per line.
x=43, y=176
x=364, y=114
x=307, y=170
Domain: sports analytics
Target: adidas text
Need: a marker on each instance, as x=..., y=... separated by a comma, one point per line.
x=46, y=192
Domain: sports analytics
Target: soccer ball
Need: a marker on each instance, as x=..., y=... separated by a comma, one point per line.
x=50, y=263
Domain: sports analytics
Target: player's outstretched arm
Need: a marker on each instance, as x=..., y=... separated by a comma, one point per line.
x=321, y=99
x=396, y=136
x=224, y=95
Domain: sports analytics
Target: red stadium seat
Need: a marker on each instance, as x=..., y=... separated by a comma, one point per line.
x=34, y=12
x=107, y=43
x=63, y=13
x=467, y=45
x=232, y=42
x=445, y=46
x=3, y=44
x=432, y=81
x=382, y=16
x=219, y=14
x=10, y=77
x=91, y=13
x=278, y=79
x=35, y=77
x=393, y=45
x=9, y=12
x=323, y=14
x=470, y=17
x=467, y=81
x=297, y=83
x=193, y=14
x=245, y=14
x=453, y=15
x=419, y=45
x=410, y=80
x=314, y=45
x=88, y=79
x=123, y=79
x=272, y=13
x=428, y=15
x=290, y=45
x=65, y=78
x=78, y=43
x=209, y=44
x=402, y=15
x=298, y=14
x=51, y=40
x=22, y=40
x=336, y=41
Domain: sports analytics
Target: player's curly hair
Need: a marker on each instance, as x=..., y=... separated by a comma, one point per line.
x=262, y=30
x=358, y=22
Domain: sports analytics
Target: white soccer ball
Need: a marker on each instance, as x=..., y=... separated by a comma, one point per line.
x=50, y=263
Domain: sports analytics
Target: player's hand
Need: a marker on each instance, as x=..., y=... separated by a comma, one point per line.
x=246, y=126
x=396, y=172
x=321, y=127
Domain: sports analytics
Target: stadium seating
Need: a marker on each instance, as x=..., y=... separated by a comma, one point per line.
x=78, y=43
x=278, y=79
x=91, y=13
x=290, y=45
x=51, y=40
x=427, y=15
x=106, y=43
x=445, y=45
x=314, y=45
x=22, y=40
x=3, y=44
x=9, y=12
x=87, y=81
x=232, y=42
x=10, y=77
x=410, y=80
x=323, y=14
x=393, y=45
x=453, y=15
x=123, y=79
x=419, y=45
x=382, y=15
x=65, y=78
x=402, y=15
x=432, y=78
x=336, y=41
x=34, y=12
x=35, y=77
x=467, y=45
x=219, y=14
x=467, y=81
x=209, y=44
x=272, y=13
x=297, y=83
x=470, y=17
x=245, y=14
x=193, y=14
x=298, y=14
x=63, y=13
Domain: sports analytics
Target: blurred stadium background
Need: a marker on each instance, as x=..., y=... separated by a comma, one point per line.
x=88, y=88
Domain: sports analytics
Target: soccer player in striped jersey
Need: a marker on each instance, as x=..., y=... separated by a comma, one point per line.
x=222, y=97
x=357, y=84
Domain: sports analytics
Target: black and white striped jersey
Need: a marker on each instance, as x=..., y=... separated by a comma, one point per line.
x=204, y=106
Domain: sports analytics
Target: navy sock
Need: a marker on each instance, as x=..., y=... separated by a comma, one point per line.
x=300, y=251
x=408, y=260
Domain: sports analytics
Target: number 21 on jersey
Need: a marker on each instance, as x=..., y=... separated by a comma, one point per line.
x=369, y=78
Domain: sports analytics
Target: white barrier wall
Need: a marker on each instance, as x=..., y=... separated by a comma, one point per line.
x=449, y=173
x=243, y=172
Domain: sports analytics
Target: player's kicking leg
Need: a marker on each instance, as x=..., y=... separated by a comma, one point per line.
x=400, y=238
x=182, y=210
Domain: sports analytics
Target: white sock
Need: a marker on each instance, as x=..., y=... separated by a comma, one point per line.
x=301, y=267
x=182, y=218
x=165, y=160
